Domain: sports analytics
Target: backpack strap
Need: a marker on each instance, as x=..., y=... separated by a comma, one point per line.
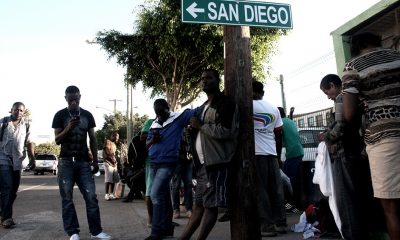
x=3, y=127
x=6, y=120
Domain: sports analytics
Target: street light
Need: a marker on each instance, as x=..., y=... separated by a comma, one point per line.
x=105, y=109
x=115, y=103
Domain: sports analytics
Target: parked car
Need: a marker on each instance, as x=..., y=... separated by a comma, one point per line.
x=55, y=167
x=101, y=161
x=309, y=138
x=46, y=163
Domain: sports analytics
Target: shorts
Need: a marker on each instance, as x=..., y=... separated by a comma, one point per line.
x=211, y=190
x=384, y=161
x=110, y=173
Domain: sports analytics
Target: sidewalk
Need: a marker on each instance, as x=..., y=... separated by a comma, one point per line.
x=221, y=230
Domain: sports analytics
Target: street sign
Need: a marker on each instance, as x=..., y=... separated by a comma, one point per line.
x=232, y=12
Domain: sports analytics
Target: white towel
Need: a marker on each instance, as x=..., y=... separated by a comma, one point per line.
x=323, y=177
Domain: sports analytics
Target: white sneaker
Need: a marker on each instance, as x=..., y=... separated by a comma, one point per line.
x=112, y=196
x=107, y=197
x=75, y=237
x=101, y=235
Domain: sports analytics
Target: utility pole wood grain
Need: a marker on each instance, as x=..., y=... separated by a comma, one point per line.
x=238, y=84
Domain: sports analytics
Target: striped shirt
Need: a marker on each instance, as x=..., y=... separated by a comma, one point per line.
x=375, y=76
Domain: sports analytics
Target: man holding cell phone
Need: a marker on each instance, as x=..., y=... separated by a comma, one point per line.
x=72, y=125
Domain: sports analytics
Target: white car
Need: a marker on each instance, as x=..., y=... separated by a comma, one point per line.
x=309, y=138
x=46, y=163
x=101, y=161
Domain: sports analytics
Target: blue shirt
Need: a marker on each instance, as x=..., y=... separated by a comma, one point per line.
x=167, y=150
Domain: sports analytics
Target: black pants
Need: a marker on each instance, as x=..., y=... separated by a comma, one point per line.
x=353, y=188
x=271, y=205
x=16, y=178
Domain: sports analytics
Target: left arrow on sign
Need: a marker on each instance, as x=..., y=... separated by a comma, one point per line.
x=193, y=10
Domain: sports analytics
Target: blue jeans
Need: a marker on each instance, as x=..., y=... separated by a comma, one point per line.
x=16, y=181
x=183, y=173
x=79, y=172
x=6, y=186
x=161, y=175
x=292, y=169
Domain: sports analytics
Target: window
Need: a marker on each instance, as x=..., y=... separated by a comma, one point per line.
x=310, y=138
x=320, y=121
x=311, y=121
x=46, y=157
x=300, y=123
x=327, y=117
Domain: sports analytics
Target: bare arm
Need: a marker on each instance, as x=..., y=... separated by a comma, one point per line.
x=93, y=149
x=93, y=145
x=31, y=155
x=350, y=83
x=350, y=105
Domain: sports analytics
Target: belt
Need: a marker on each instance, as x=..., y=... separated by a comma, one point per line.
x=72, y=158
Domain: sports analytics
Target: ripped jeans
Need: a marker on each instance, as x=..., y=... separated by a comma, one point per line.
x=79, y=172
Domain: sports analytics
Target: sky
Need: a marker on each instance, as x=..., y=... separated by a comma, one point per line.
x=306, y=54
x=43, y=50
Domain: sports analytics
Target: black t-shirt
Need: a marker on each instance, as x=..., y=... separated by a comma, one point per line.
x=75, y=144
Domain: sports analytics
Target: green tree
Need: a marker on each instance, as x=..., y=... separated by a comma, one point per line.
x=49, y=147
x=112, y=122
x=118, y=122
x=168, y=56
x=138, y=122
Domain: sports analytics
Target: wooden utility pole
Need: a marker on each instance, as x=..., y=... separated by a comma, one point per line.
x=128, y=113
x=282, y=93
x=238, y=84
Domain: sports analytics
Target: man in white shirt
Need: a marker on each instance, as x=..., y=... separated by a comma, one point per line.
x=14, y=137
x=268, y=144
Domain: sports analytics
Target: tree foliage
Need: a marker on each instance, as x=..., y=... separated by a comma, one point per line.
x=49, y=148
x=118, y=122
x=168, y=56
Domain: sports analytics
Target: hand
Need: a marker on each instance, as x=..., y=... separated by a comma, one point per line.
x=73, y=122
x=95, y=167
x=195, y=123
x=156, y=138
x=30, y=166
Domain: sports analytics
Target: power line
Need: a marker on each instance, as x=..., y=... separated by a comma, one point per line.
x=306, y=85
x=314, y=63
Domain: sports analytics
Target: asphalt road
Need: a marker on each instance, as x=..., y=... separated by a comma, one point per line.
x=37, y=212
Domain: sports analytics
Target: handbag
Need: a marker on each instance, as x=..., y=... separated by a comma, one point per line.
x=119, y=190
